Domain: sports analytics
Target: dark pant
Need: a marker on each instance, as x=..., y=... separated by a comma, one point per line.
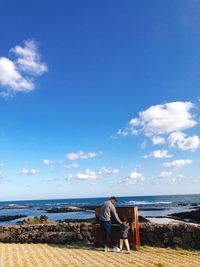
x=106, y=230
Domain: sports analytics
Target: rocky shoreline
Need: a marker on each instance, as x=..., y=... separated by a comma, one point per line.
x=7, y=218
x=64, y=209
x=192, y=216
x=15, y=207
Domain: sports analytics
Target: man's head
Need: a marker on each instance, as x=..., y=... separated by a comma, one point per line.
x=113, y=199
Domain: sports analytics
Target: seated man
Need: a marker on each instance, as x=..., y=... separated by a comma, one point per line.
x=105, y=222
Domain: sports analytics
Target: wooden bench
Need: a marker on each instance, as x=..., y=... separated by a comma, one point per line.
x=132, y=215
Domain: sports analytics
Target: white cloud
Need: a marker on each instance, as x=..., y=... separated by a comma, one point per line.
x=28, y=172
x=143, y=144
x=165, y=174
x=19, y=75
x=47, y=179
x=92, y=175
x=87, y=175
x=10, y=78
x=180, y=176
x=133, y=178
x=47, y=161
x=158, y=140
x=183, y=142
x=176, y=164
x=1, y=175
x=159, y=154
x=123, y=132
x=81, y=155
x=169, y=177
x=106, y=170
x=73, y=165
x=176, y=179
x=1, y=165
x=113, y=137
x=162, y=119
x=28, y=58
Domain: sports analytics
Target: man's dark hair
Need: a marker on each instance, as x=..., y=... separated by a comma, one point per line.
x=113, y=198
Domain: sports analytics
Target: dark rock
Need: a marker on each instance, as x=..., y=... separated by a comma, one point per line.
x=65, y=209
x=187, y=238
x=91, y=220
x=43, y=219
x=6, y=218
x=86, y=234
x=143, y=219
x=177, y=240
x=190, y=216
x=190, y=228
x=194, y=204
x=14, y=207
x=88, y=207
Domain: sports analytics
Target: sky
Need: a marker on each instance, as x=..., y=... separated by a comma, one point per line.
x=99, y=98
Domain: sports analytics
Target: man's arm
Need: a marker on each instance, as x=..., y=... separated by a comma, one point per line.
x=112, y=207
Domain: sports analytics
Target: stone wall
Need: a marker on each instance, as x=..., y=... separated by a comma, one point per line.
x=172, y=235
x=182, y=235
x=60, y=233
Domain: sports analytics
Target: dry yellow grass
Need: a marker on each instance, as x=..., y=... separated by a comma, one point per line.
x=44, y=255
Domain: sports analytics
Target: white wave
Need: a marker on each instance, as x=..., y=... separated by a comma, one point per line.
x=67, y=203
x=147, y=202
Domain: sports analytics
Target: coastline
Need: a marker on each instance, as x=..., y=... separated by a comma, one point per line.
x=159, y=209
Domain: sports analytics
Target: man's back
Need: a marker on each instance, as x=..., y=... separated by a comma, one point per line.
x=105, y=212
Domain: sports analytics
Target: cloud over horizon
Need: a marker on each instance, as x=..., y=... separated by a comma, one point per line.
x=134, y=177
x=164, y=125
x=176, y=164
x=92, y=175
x=25, y=172
x=158, y=154
x=82, y=155
x=71, y=166
x=47, y=161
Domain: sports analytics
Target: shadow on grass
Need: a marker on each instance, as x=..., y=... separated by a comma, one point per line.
x=83, y=246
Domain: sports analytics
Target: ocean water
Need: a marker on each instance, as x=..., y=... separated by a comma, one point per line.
x=149, y=206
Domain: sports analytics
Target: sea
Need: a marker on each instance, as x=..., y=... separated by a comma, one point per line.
x=149, y=206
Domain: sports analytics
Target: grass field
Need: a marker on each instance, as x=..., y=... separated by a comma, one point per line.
x=42, y=255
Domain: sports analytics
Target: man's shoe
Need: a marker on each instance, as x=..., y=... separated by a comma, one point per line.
x=106, y=249
x=116, y=250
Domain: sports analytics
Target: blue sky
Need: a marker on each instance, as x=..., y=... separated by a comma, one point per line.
x=99, y=98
